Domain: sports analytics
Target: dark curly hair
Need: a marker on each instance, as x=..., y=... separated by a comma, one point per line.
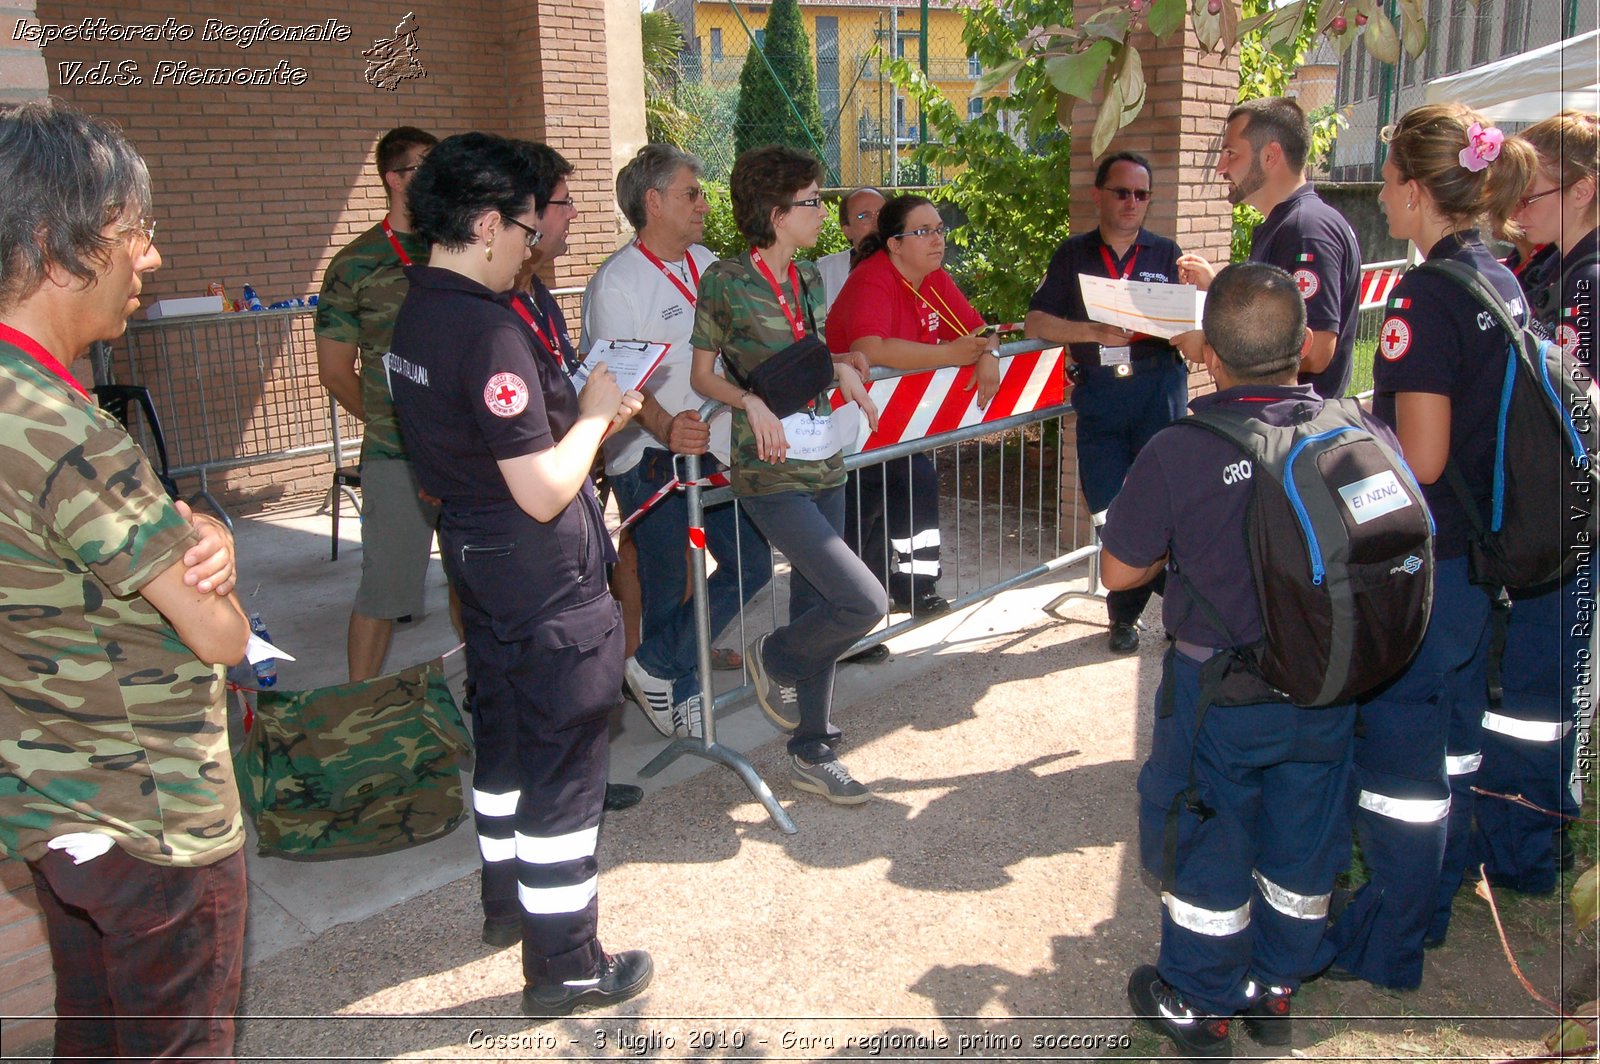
x=471, y=173
x=764, y=180
x=891, y=223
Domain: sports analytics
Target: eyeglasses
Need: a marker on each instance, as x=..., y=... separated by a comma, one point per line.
x=144, y=227
x=533, y=235
x=1527, y=201
x=927, y=230
x=561, y=202
x=1140, y=194
x=814, y=201
x=405, y=169
x=695, y=194
x=865, y=216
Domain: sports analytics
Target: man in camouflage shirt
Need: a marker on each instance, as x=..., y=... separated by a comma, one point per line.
x=361, y=294
x=115, y=781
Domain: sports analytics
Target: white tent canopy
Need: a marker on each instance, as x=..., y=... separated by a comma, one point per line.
x=1534, y=85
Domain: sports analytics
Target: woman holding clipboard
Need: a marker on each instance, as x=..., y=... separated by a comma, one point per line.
x=501, y=438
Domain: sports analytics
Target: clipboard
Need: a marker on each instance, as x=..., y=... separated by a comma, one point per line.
x=630, y=361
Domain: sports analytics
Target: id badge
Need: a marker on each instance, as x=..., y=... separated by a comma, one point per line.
x=810, y=439
x=1116, y=356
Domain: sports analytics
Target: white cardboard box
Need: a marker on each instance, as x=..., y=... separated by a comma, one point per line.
x=177, y=308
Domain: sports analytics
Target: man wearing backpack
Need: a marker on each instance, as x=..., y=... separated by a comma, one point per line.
x=1243, y=808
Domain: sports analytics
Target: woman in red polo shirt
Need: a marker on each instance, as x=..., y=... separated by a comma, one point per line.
x=900, y=309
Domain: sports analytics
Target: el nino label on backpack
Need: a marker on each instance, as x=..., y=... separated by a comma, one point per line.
x=1372, y=497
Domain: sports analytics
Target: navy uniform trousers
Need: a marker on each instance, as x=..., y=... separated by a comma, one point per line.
x=1250, y=887
x=545, y=687
x=891, y=521
x=1417, y=754
x=1117, y=416
x=1530, y=739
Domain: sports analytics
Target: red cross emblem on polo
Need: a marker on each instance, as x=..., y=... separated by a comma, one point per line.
x=506, y=395
x=1394, y=339
x=1307, y=282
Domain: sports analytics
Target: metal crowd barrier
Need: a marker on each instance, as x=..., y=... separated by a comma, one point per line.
x=1007, y=499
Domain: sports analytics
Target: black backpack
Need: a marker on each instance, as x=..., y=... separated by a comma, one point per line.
x=1540, y=521
x=1341, y=550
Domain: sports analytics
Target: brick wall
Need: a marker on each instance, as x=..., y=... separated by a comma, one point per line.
x=1189, y=95
x=263, y=184
x=26, y=985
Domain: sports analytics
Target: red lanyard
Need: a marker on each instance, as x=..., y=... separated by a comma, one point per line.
x=795, y=324
x=40, y=355
x=394, y=242
x=526, y=315
x=1111, y=263
x=694, y=271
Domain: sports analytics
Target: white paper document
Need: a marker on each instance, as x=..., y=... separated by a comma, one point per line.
x=1163, y=310
x=630, y=361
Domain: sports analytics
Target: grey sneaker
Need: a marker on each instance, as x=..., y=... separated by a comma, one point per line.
x=653, y=695
x=779, y=703
x=829, y=779
x=686, y=716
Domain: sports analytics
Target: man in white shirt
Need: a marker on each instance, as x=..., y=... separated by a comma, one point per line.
x=858, y=216
x=646, y=291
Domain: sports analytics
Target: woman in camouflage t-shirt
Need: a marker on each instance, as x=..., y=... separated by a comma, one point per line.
x=789, y=473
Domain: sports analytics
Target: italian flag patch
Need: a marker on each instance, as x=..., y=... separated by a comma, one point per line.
x=1399, y=304
x=1306, y=257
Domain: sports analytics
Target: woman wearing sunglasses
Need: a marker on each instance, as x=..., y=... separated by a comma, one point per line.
x=788, y=474
x=900, y=309
x=1530, y=738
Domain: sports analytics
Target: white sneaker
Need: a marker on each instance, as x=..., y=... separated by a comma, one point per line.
x=653, y=695
x=686, y=716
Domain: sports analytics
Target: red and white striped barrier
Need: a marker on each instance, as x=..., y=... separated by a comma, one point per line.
x=1376, y=284
x=935, y=401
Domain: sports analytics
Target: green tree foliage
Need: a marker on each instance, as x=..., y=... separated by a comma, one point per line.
x=765, y=113
x=1012, y=188
x=1095, y=58
x=665, y=121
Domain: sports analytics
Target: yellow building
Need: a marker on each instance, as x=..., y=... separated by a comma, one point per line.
x=869, y=126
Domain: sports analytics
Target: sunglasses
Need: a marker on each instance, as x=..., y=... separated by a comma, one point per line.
x=1140, y=194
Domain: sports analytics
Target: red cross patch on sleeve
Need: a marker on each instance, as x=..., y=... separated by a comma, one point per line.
x=1394, y=339
x=506, y=395
x=1307, y=282
x=1567, y=337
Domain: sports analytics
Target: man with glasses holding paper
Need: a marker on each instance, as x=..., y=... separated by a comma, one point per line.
x=647, y=291
x=1126, y=386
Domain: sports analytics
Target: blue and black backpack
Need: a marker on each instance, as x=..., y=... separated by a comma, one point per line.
x=1541, y=521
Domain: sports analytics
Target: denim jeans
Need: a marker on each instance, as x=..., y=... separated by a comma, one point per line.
x=833, y=600
x=661, y=536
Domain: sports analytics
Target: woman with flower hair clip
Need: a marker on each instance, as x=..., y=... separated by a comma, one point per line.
x=1449, y=170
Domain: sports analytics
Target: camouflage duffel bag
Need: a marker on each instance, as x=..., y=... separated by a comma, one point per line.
x=362, y=768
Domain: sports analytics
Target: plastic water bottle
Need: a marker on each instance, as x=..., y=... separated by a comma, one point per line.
x=251, y=300
x=266, y=669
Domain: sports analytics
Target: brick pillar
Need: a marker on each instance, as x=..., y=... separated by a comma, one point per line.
x=568, y=85
x=1189, y=94
x=22, y=69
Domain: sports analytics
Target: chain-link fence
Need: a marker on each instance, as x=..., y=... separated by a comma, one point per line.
x=869, y=130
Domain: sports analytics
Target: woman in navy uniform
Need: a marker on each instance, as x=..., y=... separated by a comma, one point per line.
x=1530, y=736
x=501, y=438
x=1418, y=747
